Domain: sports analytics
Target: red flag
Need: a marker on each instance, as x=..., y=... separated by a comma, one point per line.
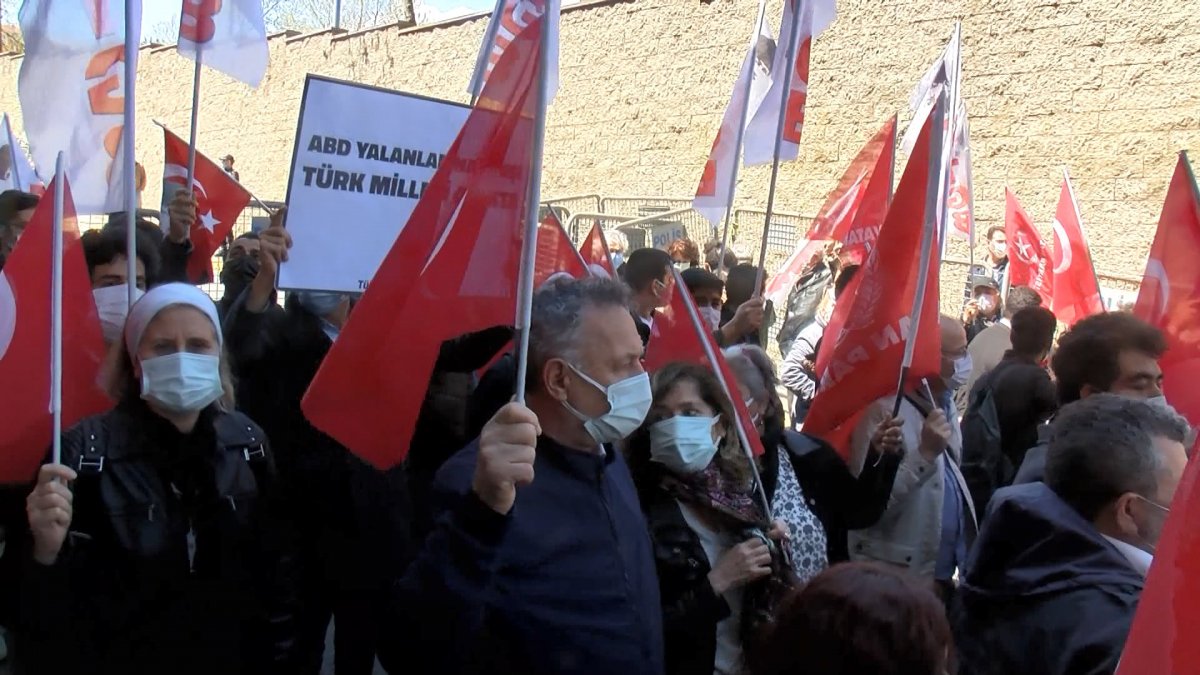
x=452, y=270
x=595, y=251
x=1028, y=259
x=1076, y=292
x=863, y=362
x=555, y=253
x=25, y=288
x=853, y=211
x=220, y=198
x=678, y=336
x=1170, y=293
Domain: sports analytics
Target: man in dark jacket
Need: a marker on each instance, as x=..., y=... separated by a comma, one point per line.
x=1023, y=397
x=1054, y=579
x=1111, y=352
x=353, y=519
x=541, y=561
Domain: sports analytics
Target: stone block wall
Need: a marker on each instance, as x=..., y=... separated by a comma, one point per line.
x=1109, y=89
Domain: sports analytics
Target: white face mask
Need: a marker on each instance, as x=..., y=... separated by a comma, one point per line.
x=182, y=382
x=986, y=303
x=112, y=305
x=712, y=315
x=683, y=444
x=628, y=402
x=1000, y=248
x=962, y=371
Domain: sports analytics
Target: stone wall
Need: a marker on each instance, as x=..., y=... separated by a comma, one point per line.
x=1110, y=89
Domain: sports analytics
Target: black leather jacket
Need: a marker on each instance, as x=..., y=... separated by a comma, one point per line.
x=176, y=560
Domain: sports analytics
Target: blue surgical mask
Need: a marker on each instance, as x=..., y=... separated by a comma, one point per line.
x=617, y=261
x=683, y=444
x=182, y=382
x=962, y=371
x=320, y=303
x=628, y=402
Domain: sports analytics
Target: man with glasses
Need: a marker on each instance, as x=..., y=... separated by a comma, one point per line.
x=1055, y=576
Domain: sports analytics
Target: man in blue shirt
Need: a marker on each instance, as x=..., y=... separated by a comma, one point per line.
x=541, y=560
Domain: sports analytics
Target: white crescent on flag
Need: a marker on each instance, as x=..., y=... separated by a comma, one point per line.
x=1157, y=274
x=8, y=314
x=174, y=173
x=1062, y=244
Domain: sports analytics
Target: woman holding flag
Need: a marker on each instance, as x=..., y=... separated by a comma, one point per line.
x=156, y=548
x=720, y=566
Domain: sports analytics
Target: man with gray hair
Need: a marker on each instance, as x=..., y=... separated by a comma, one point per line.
x=1056, y=573
x=541, y=561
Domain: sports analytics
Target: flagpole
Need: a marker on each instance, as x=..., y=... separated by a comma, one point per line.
x=56, y=322
x=740, y=136
x=933, y=195
x=127, y=138
x=947, y=132
x=800, y=7
x=481, y=59
x=1083, y=234
x=706, y=340
x=12, y=154
x=529, y=243
x=191, y=164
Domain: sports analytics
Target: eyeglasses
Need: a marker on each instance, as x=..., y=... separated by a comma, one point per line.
x=1165, y=509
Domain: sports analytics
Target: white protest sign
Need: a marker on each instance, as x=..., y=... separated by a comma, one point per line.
x=363, y=156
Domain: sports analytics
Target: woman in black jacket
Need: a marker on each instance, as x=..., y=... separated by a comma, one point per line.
x=715, y=550
x=811, y=488
x=157, y=546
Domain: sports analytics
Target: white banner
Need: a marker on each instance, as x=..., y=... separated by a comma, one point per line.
x=362, y=158
x=229, y=36
x=72, y=85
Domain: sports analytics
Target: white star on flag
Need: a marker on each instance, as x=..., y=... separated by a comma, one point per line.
x=207, y=221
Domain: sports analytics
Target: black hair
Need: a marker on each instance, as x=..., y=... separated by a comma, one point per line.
x=739, y=285
x=645, y=266
x=101, y=247
x=697, y=279
x=13, y=202
x=1089, y=353
x=844, y=279
x=1033, y=331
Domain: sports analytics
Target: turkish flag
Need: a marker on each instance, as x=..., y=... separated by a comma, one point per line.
x=221, y=200
x=678, y=335
x=555, y=252
x=595, y=251
x=1028, y=259
x=1170, y=293
x=1161, y=640
x=861, y=356
x=1076, y=292
x=452, y=270
x=25, y=341
x=851, y=214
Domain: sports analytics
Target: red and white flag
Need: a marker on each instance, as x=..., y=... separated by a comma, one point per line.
x=555, y=253
x=16, y=171
x=861, y=356
x=1028, y=258
x=852, y=213
x=1170, y=295
x=946, y=74
x=453, y=270
x=677, y=335
x=72, y=88
x=25, y=342
x=595, y=251
x=715, y=192
x=228, y=35
x=508, y=20
x=814, y=17
x=220, y=199
x=1076, y=291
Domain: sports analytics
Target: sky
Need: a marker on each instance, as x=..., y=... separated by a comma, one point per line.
x=156, y=12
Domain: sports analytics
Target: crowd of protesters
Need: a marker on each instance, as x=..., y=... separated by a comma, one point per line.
x=615, y=522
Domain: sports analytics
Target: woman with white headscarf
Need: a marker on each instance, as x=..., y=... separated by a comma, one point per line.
x=156, y=546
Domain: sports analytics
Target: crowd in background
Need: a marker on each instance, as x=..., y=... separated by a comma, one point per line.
x=1002, y=521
